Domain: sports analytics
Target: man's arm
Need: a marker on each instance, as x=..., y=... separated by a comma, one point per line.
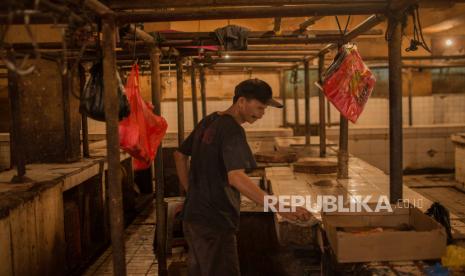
x=182, y=168
x=241, y=181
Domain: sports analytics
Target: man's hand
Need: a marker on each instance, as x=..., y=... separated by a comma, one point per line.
x=245, y=186
x=300, y=214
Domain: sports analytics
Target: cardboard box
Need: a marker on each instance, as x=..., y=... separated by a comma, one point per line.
x=380, y=237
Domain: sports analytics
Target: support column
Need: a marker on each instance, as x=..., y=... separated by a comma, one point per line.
x=321, y=105
x=328, y=112
x=395, y=111
x=410, y=95
x=180, y=99
x=66, y=87
x=194, y=96
x=113, y=152
x=84, y=126
x=203, y=93
x=307, y=102
x=296, y=102
x=158, y=164
x=282, y=87
x=343, y=154
x=16, y=144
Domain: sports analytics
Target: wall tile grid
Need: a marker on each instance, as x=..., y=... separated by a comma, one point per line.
x=460, y=164
x=429, y=110
x=428, y=146
x=4, y=155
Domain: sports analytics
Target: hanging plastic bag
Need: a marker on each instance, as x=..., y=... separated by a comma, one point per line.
x=92, y=103
x=348, y=83
x=141, y=132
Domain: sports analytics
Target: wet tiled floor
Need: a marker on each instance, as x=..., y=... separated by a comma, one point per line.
x=140, y=259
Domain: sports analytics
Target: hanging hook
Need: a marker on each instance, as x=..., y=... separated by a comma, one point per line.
x=11, y=65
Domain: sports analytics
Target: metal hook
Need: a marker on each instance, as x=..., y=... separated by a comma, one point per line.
x=20, y=70
x=31, y=36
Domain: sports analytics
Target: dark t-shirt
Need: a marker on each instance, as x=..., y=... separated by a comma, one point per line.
x=217, y=145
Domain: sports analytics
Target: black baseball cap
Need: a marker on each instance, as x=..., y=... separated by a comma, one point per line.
x=258, y=90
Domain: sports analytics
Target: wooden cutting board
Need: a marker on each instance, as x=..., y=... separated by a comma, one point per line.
x=275, y=157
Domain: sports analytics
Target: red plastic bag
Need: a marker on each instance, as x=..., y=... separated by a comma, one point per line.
x=141, y=132
x=348, y=82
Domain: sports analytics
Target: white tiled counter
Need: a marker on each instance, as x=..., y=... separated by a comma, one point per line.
x=364, y=180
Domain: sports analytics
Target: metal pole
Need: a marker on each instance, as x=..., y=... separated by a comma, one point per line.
x=287, y=48
x=85, y=128
x=97, y=7
x=113, y=152
x=328, y=112
x=159, y=178
x=65, y=88
x=194, y=96
x=180, y=99
x=343, y=154
x=296, y=103
x=307, y=23
x=307, y=102
x=209, y=13
x=239, y=59
x=410, y=94
x=321, y=105
x=323, y=51
x=203, y=92
x=126, y=5
x=16, y=148
x=85, y=136
x=395, y=111
x=282, y=87
x=363, y=27
x=248, y=53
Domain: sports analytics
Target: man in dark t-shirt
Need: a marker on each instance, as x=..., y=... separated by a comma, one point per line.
x=220, y=157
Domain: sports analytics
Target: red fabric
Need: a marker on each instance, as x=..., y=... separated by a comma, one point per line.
x=141, y=132
x=350, y=85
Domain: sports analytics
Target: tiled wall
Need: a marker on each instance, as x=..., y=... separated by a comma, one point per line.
x=4, y=151
x=423, y=146
x=436, y=109
x=460, y=164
